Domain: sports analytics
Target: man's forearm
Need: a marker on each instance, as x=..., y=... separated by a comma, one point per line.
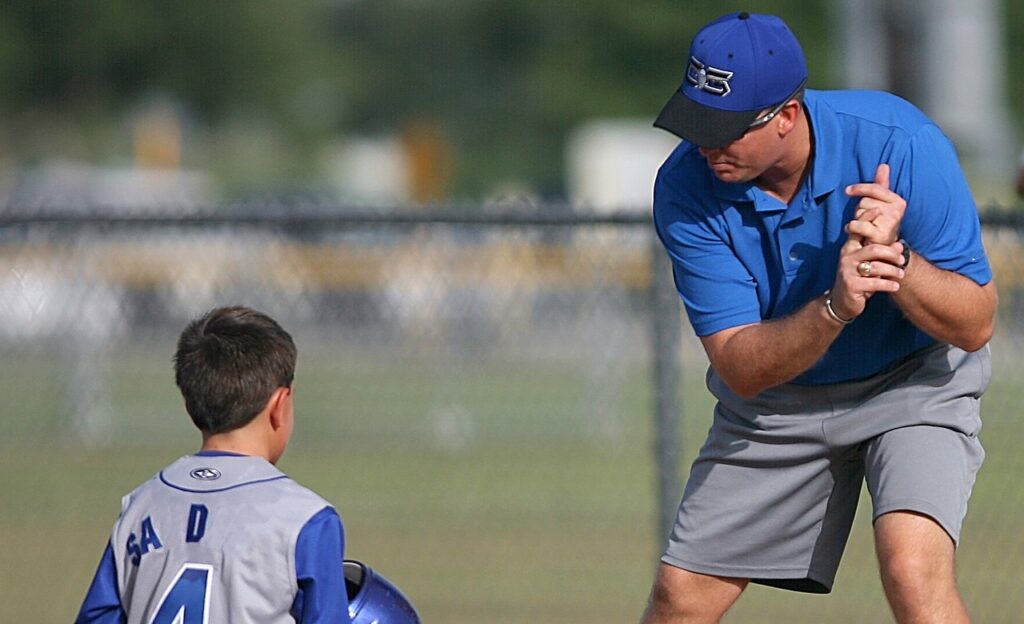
x=946, y=305
x=752, y=358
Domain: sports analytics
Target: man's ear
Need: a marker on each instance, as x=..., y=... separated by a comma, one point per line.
x=276, y=405
x=789, y=116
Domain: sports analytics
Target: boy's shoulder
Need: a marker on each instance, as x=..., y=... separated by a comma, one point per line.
x=218, y=472
x=247, y=480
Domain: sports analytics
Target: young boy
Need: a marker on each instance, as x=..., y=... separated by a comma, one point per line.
x=223, y=535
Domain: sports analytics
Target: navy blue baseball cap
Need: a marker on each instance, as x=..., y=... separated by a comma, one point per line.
x=739, y=65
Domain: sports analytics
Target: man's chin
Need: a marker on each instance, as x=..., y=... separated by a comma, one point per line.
x=728, y=174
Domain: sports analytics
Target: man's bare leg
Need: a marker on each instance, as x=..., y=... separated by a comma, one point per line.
x=917, y=561
x=683, y=597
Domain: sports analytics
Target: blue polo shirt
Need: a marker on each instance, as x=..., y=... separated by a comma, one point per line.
x=741, y=256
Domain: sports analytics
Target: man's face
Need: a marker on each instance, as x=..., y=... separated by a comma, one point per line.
x=746, y=158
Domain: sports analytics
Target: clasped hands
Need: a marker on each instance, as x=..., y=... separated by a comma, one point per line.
x=871, y=260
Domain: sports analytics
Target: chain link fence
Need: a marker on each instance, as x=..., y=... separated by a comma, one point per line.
x=499, y=404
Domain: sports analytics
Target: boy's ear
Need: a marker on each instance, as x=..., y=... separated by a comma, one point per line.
x=276, y=405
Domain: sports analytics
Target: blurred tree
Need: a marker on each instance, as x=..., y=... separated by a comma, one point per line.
x=71, y=71
x=500, y=83
x=509, y=79
x=1013, y=34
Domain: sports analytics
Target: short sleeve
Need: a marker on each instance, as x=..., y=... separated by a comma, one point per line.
x=319, y=553
x=717, y=290
x=941, y=222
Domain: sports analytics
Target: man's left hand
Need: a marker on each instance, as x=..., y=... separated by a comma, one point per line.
x=880, y=211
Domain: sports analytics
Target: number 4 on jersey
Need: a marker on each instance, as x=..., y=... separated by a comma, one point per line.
x=187, y=600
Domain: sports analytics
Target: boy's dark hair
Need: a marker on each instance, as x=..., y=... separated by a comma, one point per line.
x=228, y=363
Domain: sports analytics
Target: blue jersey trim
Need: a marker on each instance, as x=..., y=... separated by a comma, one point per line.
x=223, y=489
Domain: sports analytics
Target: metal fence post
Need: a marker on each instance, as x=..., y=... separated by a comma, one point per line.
x=665, y=336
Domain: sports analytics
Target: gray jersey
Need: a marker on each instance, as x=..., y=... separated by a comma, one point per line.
x=213, y=532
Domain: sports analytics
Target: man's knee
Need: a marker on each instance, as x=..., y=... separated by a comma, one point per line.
x=914, y=553
x=916, y=557
x=680, y=596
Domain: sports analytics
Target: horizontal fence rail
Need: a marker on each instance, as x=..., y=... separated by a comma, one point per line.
x=510, y=389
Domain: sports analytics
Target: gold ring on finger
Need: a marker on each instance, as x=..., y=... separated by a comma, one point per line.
x=864, y=268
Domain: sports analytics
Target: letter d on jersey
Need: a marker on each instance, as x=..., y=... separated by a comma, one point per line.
x=196, y=528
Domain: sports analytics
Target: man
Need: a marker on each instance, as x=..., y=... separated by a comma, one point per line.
x=828, y=252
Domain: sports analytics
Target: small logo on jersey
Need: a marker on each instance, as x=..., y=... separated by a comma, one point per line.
x=205, y=474
x=710, y=79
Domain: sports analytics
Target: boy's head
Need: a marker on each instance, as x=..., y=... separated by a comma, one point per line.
x=228, y=364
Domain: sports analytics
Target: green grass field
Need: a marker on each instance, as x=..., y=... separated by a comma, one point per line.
x=529, y=517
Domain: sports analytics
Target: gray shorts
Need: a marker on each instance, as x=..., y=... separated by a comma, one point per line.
x=772, y=494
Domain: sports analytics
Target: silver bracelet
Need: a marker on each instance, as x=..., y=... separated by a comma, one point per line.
x=832, y=313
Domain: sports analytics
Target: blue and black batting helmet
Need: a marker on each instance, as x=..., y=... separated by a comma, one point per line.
x=372, y=599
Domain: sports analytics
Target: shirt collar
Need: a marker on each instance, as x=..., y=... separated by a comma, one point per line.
x=219, y=454
x=828, y=145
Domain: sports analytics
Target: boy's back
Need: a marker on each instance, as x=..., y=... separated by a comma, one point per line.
x=217, y=530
